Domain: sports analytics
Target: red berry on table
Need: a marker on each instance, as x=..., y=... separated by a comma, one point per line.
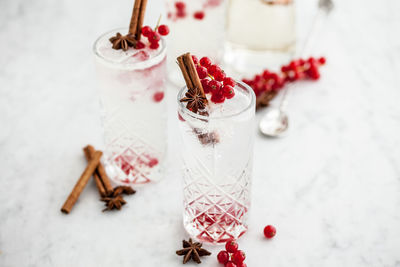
x=213, y=69
x=139, y=45
x=322, y=60
x=229, y=81
x=238, y=257
x=180, y=5
x=199, y=15
x=163, y=30
x=195, y=60
x=201, y=71
x=219, y=75
x=158, y=97
x=269, y=231
x=205, y=62
x=229, y=92
x=146, y=31
x=313, y=72
x=223, y=257
x=230, y=264
x=214, y=86
x=154, y=45
x=231, y=246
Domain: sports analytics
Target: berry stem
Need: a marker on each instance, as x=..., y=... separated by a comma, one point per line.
x=158, y=23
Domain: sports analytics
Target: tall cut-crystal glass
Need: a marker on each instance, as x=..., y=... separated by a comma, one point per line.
x=132, y=85
x=217, y=153
x=197, y=25
x=259, y=34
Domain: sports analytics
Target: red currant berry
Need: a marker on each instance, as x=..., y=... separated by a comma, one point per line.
x=228, y=91
x=195, y=60
x=230, y=264
x=154, y=45
x=238, y=257
x=163, y=30
x=231, y=246
x=180, y=5
x=218, y=97
x=322, y=60
x=154, y=37
x=206, y=86
x=146, y=31
x=199, y=15
x=158, y=97
x=223, y=257
x=219, y=75
x=214, y=86
x=205, y=62
x=229, y=81
x=313, y=72
x=213, y=69
x=311, y=60
x=201, y=71
x=269, y=231
x=140, y=45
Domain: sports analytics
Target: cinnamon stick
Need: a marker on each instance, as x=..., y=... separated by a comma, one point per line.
x=101, y=172
x=135, y=26
x=99, y=183
x=189, y=73
x=83, y=180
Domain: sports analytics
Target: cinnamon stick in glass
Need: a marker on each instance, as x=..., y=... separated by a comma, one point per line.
x=83, y=180
x=189, y=73
x=135, y=26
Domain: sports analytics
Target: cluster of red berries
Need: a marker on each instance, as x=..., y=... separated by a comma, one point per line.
x=214, y=80
x=232, y=256
x=154, y=36
x=180, y=12
x=296, y=70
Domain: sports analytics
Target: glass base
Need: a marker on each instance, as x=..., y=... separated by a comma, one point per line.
x=245, y=62
x=214, y=226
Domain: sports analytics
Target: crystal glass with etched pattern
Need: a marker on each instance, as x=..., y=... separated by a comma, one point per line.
x=132, y=86
x=217, y=154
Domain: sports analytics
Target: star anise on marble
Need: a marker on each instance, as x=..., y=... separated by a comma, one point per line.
x=127, y=190
x=123, y=42
x=195, y=100
x=113, y=202
x=192, y=251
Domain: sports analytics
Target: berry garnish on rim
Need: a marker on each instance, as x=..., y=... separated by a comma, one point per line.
x=154, y=36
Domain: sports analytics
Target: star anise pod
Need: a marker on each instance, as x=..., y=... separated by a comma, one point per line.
x=192, y=251
x=127, y=190
x=113, y=202
x=123, y=42
x=195, y=100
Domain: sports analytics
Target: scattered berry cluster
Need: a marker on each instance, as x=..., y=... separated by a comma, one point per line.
x=180, y=12
x=214, y=80
x=296, y=70
x=232, y=256
x=154, y=36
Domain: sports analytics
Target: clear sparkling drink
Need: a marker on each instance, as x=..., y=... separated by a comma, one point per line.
x=259, y=32
x=132, y=86
x=217, y=153
x=197, y=25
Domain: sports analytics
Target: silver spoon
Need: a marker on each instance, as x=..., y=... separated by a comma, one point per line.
x=275, y=122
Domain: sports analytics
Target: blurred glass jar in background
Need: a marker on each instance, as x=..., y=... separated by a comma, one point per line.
x=196, y=26
x=259, y=34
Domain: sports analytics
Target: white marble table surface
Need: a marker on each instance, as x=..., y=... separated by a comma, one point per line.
x=331, y=187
